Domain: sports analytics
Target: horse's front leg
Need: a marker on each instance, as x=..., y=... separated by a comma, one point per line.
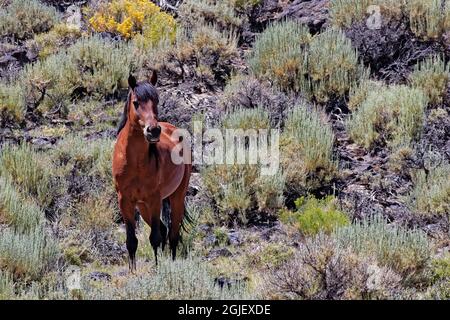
x=151, y=212
x=127, y=210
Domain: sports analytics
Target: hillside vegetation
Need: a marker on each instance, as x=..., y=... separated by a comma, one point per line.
x=359, y=207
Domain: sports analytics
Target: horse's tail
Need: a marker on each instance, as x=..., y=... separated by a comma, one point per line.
x=187, y=217
x=166, y=212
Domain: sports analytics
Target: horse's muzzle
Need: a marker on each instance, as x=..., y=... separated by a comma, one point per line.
x=152, y=134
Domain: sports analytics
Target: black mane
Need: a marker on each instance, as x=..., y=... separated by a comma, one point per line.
x=144, y=92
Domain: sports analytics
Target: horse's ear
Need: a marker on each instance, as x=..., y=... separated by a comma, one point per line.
x=132, y=81
x=154, y=77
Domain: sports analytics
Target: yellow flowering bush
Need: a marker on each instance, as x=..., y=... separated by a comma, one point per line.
x=131, y=18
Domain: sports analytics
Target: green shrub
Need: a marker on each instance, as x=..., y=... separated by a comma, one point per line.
x=91, y=66
x=108, y=63
x=23, y=18
x=15, y=210
x=94, y=214
x=333, y=66
x=345, y=12
x=221, y=13
x=431, y=192
x=394, y=114
x=447, y=16
x=322, y=67
x=432, y=76
x=93, y=158
x=359, y=92
x=237, y=188
x=246, y=119
x=6, y=286
x=245, y=91
x=27, y=170
x=441, y=268
x=279, y=54
x=27, y=255
x=307, y=150
x=12, y=107
x=212, y=50
x=313, y=215
x=59, y=37
x=180, y=279
x=426, y=18
x=405, y=251
x=48, y=84
x=270, y=255
x=245, y=5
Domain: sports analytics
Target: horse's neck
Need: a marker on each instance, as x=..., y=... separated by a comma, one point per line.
x=136, y=147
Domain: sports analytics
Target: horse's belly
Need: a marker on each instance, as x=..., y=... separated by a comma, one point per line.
x=171, y=183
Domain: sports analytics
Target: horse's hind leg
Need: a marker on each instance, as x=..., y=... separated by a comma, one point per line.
x=177, y=210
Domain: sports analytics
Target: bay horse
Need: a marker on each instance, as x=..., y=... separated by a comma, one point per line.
x=144, y=174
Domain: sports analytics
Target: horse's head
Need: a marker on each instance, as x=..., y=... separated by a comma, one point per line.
x=143, y=106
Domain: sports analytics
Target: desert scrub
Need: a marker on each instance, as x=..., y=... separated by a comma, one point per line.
x=187, y=278
x=6, y=286
x=59, y=37
x=92, y=66
x=360, y=91
x=11, y=103
x=247, y=119
x=29, y=171
x=315, y=215
x=393, y=114
x=407, y=252
x=345, y=12
x=321, y=269
x=221, y=13
x=239, y=187
x=47, y=85
x=17, y=211
x=24, y=18
x=134, y=18
x=426, y=18
x=89, y=157
x=431, y=191
x=432, y=75
x=332, y=66
x=27, y=255
x=244, y=5
x=94, y=215
x=279, y=54
x=109, y=64
x=307, y=150
x=247, y=92
x=205, y=52
x=269, y=256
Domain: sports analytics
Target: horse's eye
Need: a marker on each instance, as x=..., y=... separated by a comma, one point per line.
x=136, y=104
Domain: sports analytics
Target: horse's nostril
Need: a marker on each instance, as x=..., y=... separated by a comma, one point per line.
x=155, y=131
